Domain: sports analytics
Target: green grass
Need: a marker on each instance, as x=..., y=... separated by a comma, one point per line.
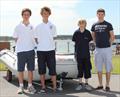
x=2, y=67
x=116, y=65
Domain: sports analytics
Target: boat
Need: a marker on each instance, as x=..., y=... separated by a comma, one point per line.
x=66, y=65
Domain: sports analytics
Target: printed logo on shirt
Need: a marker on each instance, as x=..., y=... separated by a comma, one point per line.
x=51, y=27
x=100, y=28
x=31, y=27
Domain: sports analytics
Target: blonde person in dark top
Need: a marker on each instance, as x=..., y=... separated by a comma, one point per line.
x=82, y=37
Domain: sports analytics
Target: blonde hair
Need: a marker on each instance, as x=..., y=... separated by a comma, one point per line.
x=82, y=21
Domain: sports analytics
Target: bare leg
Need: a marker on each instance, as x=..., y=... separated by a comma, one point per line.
x=86, y=80
x=42, y=79
x=53, y=78
x=30, y=77
x=20, y=78
x=107, y=78
x=80, y=80
x=100, y=78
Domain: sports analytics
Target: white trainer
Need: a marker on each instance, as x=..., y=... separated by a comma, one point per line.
x=20, y=90
x=31, y=90
x=88, y=87
x=79, y=87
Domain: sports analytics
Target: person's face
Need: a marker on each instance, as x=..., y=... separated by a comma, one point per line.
x=100, y=15
x=26, y=15
x=45, y=14
x=82, y=25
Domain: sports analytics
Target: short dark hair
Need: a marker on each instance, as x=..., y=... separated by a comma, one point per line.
x=46, y=9
x=26, y=10
x=101, y=10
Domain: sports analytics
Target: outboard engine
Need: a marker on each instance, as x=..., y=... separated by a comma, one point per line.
x=60, y=77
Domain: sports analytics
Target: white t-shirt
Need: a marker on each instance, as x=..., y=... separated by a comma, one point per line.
x=25, y=36
x=45, y=32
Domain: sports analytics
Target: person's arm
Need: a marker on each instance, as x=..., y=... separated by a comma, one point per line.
x=90, y=37
x=36, y=40
x=74, y=37
x=36, y=34
x=16, y=39
x=112, y=37
x=93, y=33
x=15, y=34
x=111, y=33
x=54, y=32
x=93, y=36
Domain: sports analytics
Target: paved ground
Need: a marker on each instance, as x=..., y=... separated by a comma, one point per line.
x=8, y=89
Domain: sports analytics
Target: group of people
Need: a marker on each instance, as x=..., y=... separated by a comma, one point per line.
x=43, y=36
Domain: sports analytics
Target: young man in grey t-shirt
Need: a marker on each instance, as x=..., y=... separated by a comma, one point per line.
x=103, y=36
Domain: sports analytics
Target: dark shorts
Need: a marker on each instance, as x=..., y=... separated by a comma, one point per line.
x=27, y=57
x=84, y=67
x=46, y=59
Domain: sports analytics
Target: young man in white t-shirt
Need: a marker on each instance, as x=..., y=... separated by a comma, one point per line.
x=44, y=36
x=24, y=38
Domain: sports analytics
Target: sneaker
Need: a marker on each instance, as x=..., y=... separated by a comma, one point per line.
x=31, y=90
x=20, y=90
x=43, y=91
x=88, y=87
x=79, y=87
x=56, y=90
x=99, y=87
x=107, y=88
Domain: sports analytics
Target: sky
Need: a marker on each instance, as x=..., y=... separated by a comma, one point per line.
x=65, y=14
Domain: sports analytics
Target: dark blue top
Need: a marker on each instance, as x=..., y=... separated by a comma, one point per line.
x=82, y=42
x=102, y=34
